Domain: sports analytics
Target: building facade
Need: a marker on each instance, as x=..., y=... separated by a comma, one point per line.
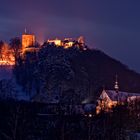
x=27, y=41
x=109, y=99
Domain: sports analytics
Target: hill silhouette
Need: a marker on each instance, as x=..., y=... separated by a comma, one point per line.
x=73, y=74
x=101, y=70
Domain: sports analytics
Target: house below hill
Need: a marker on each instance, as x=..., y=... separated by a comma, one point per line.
x=109, y=99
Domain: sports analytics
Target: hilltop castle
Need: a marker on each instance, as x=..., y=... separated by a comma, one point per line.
x=29, y=45
x=29, y=42
x=69, y=42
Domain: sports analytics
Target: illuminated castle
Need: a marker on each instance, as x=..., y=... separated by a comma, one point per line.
x=28, y=43
x=27, y=40
x=56, y=41
x=69, y=42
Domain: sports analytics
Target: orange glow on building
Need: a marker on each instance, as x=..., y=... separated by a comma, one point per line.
x=56, y=41
x=59, y=42
x=27, y=41
x=68, y=45
x=69, y=42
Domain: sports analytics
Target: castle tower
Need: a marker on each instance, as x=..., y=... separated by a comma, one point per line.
x=27, y=40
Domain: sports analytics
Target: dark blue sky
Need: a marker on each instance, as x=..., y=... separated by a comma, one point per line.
x=110, y=25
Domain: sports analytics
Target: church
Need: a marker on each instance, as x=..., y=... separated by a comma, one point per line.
x=111, y=98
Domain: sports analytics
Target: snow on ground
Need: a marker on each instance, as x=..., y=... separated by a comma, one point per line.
x=6, y=72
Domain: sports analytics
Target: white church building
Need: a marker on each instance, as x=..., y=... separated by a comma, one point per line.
x=111, y=98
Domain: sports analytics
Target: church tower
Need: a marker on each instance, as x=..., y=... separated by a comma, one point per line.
x=27, y=40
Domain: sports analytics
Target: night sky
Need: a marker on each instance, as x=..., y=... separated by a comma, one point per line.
x=110, y=25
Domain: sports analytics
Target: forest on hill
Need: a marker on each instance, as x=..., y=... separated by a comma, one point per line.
x=72, y=74
x=69, y=76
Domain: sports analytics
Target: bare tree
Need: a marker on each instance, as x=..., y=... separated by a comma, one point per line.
x=15, y=44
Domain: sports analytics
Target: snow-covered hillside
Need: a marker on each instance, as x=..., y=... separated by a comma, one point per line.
x=6, y=72
x=9, y=87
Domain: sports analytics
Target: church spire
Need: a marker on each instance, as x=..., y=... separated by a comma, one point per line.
x=116, y=86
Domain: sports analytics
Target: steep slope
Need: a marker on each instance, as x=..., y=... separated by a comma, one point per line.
x=101, y=70
x=6, y=72
x=72, y=74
